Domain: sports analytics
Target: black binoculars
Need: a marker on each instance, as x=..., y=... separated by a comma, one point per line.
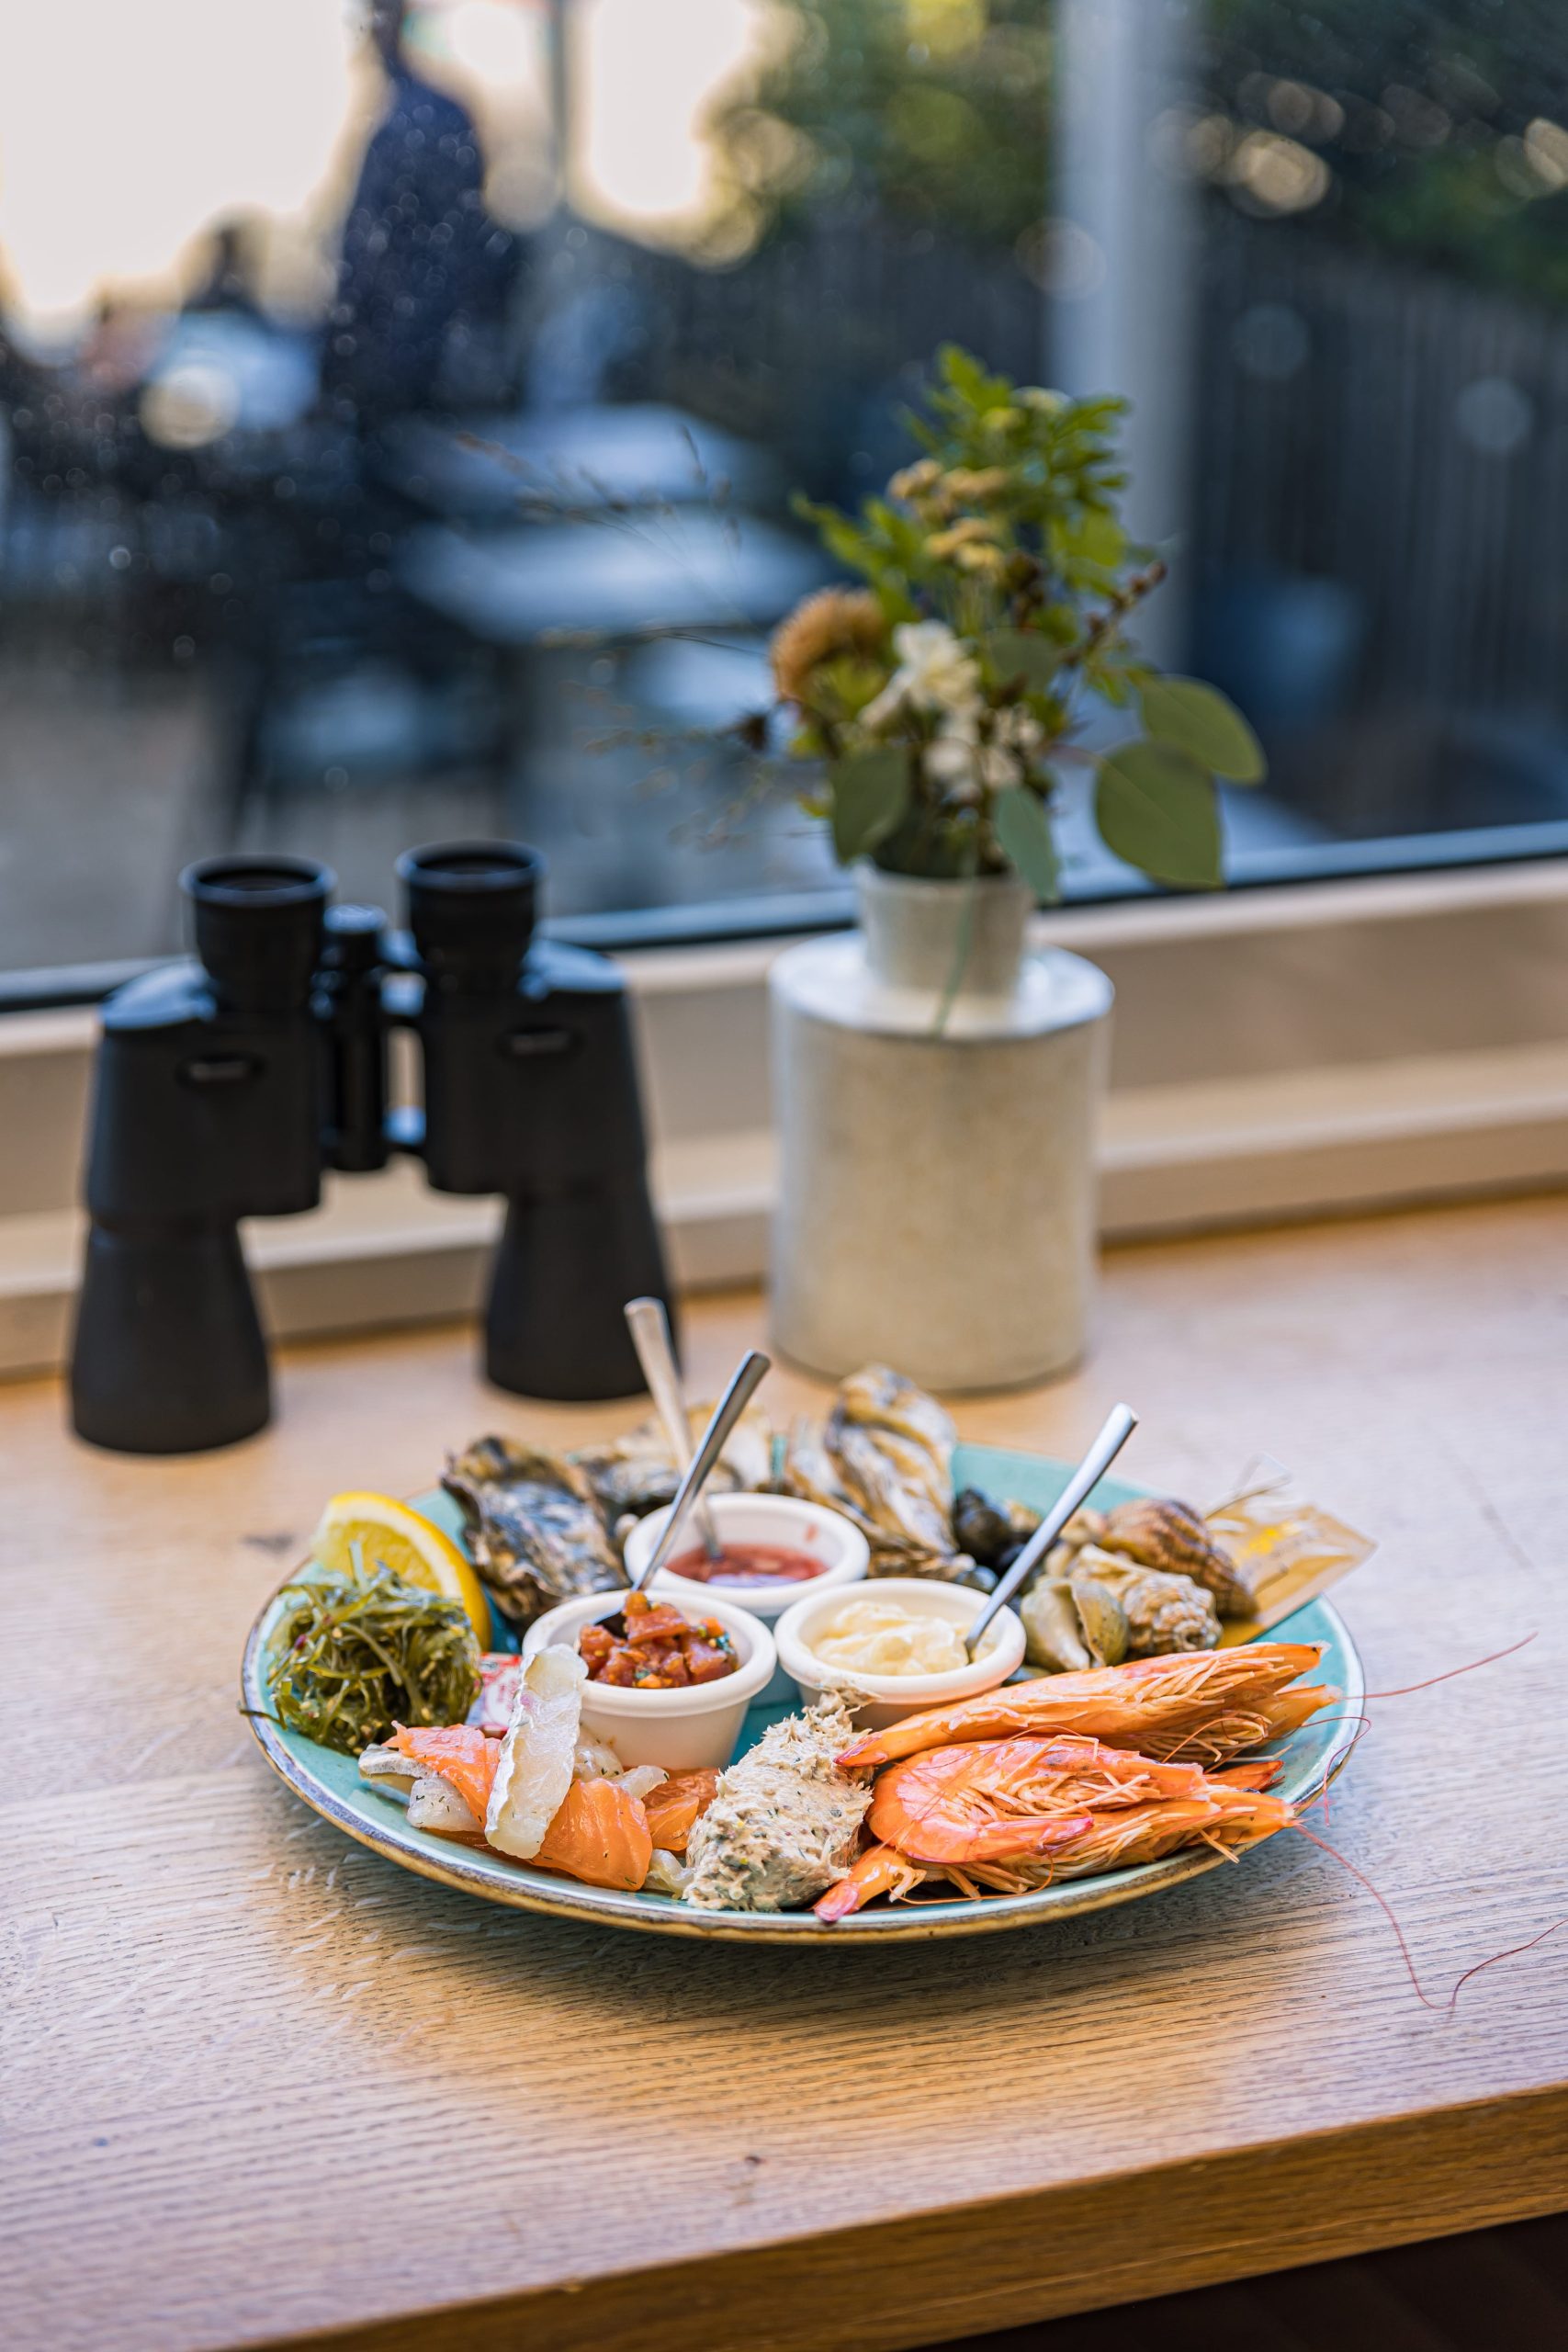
x=226, y=1084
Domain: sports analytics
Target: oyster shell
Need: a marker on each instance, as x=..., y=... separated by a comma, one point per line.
x=811, y=1471
x=637, y=1472
x=889, y=1451
x=533, y=1529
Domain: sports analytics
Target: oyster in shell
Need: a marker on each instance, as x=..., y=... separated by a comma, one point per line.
x=536, y=1532
x=888, y=1448
x=637, y=1472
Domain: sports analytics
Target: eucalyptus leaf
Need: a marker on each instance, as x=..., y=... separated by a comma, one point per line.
x=871, y=792
x=1199, y=719
x=1155, y=807
x=1023, y=831
x=1022, y=653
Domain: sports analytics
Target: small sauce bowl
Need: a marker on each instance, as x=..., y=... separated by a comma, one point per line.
x=890, y=1697
x=798, y=1526
x=680, y=1730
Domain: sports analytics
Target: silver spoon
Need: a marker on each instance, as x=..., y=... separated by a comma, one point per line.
x=1119, y=1426
x=649, y=1326
x=726, y=1412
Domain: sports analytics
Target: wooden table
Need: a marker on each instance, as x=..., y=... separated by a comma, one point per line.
x=257, y=2082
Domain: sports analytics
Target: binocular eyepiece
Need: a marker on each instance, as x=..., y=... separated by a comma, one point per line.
x=258, y=924
x=470, y=908
x=226, y=1086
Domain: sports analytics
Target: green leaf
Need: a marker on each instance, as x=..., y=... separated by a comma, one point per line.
x=1098, y=538
x=1155, y=807
x=1023, y=832
x=1199, y=719
x=1022, y=653
x=871, y=792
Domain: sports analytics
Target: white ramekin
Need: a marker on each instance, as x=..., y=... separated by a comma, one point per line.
x=826, y=1535
x=678, y=1729
x=890, y=1697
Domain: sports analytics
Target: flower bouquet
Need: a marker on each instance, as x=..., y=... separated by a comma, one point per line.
x=940, y=702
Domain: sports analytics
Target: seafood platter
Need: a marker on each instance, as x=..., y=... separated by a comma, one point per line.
x=785, y=1733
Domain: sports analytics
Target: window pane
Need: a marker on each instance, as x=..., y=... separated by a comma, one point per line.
x=400, y=418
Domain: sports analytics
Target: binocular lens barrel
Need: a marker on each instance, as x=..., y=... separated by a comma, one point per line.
x=258, y=924
x=471, y=908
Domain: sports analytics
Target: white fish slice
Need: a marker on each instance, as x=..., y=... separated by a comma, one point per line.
x=535, y=1766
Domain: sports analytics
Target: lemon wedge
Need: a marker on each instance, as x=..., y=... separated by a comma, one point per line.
x=391, y=1535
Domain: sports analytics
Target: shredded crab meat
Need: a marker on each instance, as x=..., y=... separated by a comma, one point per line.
x=784, y=1825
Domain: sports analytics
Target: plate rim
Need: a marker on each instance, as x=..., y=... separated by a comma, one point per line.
x=545, y=1892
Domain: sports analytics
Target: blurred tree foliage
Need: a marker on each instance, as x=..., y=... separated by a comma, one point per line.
x=1440, y=128
x=934, y=111
x=1443, y=123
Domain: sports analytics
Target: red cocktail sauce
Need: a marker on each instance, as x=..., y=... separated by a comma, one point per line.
x=748, y=1564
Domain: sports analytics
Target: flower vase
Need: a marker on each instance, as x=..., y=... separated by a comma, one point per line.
x=936, y=1084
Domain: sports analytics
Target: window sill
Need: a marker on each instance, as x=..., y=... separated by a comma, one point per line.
x=1301, y=1053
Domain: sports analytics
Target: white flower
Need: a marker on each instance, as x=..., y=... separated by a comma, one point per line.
x=936, y=672
x=969, y=762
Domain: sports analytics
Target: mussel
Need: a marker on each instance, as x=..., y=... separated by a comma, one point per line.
x=993, y=1533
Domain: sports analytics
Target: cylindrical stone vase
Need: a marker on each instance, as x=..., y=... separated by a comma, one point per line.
x=935, y=1087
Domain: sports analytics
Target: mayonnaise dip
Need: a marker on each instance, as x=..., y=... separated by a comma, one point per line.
x=888, y=1637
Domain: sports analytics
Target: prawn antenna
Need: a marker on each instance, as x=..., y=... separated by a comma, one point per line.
x=1512, y=1651
x=1427, y=1999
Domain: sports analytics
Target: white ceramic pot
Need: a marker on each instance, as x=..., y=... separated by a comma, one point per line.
x=936, y=1182
x=826, y=1535
x=888, y=1697
x=681, y=1730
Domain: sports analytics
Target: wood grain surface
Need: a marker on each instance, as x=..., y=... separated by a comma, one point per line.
x=257, y=2084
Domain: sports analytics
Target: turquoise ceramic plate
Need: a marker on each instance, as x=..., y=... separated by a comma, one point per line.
x=331, y=1784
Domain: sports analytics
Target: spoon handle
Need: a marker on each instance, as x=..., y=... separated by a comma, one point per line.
x=649, y=1326
x=726, y=1412
x=1119, y=1426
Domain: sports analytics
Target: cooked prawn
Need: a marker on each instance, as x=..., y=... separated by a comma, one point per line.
x=1229, y=1820
x=600, y=1834
x=881, y=1869
x=997, y=1800
x=1204, y=1705
x=1015, y=1814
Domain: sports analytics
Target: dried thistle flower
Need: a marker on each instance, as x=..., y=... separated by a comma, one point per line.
x=833, y=622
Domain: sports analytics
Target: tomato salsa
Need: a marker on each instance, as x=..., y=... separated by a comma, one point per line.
x=661, y=1649
x=748, y=1564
